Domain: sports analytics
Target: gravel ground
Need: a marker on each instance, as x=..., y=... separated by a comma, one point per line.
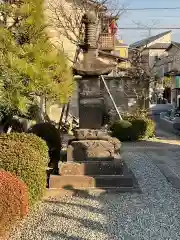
x=153, y=215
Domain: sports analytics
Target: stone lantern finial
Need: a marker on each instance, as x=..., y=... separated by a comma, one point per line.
x=90, y=20
x=91, y=65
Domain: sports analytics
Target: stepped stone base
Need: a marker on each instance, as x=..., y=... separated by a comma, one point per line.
x=91, y=168
x=93, y=162
x=119, y=182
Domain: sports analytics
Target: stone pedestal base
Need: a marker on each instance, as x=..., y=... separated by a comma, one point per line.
x=90, y=150
x=94, y=161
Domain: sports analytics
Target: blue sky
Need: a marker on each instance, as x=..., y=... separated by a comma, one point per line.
x=164, y=18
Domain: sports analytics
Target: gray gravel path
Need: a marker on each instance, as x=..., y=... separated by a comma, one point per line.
x=152, y=215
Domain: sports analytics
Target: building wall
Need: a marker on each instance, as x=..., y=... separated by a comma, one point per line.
x=122, y=50
x=153, y=53
x=165, y=39
x=52, y=11
x=174, y=53
x=152, y=56
x=168, y=63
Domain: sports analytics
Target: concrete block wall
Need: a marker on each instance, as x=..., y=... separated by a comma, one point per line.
x=124, y=99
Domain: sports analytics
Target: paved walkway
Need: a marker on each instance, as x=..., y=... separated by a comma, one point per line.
x=152, y=215
x=164, y=152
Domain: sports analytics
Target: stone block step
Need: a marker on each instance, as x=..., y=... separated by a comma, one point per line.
x=91, y=168
x=106, y=181
x=86, y=182
x=69, y=182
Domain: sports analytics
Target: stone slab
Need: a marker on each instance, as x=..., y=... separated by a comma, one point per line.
x=105, y=181
x=87, y=150
x=70, y=182
x=91, y=168
x=86, y=182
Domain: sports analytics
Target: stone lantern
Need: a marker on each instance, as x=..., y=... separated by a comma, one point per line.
x=90, y=68
x=93, y=157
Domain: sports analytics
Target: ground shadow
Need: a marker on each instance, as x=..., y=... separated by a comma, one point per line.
x=56, y=234
x=87, y=223
x=85, y=207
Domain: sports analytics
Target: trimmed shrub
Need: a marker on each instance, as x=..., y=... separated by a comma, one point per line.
x=121, y=130
x=137, y=128
x=13, y=201
x=142, y=125
x=20, y=155
x=30, y=140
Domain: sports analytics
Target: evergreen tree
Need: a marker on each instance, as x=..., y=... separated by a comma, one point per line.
x=30, y=65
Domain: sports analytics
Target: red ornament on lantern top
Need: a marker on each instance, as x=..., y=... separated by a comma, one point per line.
x=113, y=27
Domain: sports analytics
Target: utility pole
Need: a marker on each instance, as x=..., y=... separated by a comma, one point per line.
x=148, y=27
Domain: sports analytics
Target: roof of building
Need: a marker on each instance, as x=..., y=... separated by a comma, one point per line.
x=112, y=55
x=176, y=44
x=146, y=41
x=119, y=44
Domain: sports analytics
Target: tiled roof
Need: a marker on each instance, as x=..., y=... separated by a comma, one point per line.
x=146, y=41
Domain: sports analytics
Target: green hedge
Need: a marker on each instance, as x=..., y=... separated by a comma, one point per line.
x=26, y=156
x=133, y=128
x=30, y=140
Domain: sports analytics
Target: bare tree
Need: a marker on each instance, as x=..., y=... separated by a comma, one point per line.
x=66, y=17
x=141, y=77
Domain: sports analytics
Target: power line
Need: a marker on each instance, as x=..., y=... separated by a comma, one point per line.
x=143, y=28
x=144, y=9
x=138, y=9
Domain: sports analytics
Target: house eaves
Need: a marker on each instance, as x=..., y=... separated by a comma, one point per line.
x=111, y=55
x=159, y=46
x=175, y=44
x=146, y=41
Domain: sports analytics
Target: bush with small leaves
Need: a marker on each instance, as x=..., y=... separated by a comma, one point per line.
x=13, y=201
x=26, y=156
x=121, y=130
x=133, y=128
x=30, y=140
